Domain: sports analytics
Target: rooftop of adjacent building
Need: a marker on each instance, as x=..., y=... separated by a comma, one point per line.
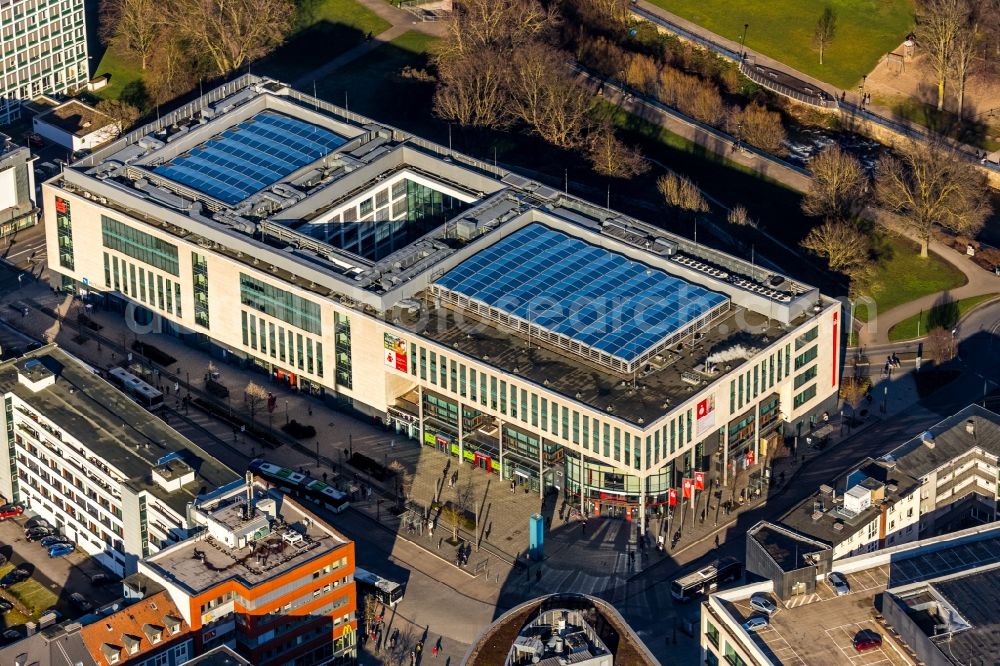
x=959, y=613
x=120, y=434
x=819, y=629
x=605, y=630
x=789, y=550
x=972, y=427
x=848, y=504
x=76, y=118
x=248, y=542
x=116, y=634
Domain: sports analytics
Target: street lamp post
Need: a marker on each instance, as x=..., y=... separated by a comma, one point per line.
x=286, y=412
x=743, y=41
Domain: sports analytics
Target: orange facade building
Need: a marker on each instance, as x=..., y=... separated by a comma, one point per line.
x=266, y=577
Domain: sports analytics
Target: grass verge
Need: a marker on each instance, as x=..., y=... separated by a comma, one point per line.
x=946, y=315
x=29, y=593
x=783, y=30
x=905, y=276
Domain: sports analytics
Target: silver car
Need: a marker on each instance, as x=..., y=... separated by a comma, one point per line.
x=838, y=583
x=762, y=603
x=755, y=624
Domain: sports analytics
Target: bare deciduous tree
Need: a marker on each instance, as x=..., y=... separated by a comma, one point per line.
x=839, y=185
x=826, y=29
x=940, y=345
x=501, y=26
x=967, y=47
x=124, y=115
x=132, y=26
x=231, y=33
x=759, y=127
x=842, y=245
x=453, y=517
x=681, y=192
x=546, y=98
x=932, y=184
x=404, y=481
x=642, y=73
x=254, y=394
x=613, y=158
x=740, y=217
x=938, y=25
x=473, y=92
x=853, y=390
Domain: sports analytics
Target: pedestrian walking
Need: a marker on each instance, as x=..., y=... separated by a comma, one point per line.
x=310, y=410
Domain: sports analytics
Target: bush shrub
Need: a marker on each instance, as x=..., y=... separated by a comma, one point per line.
x=299, y=430
x=155, y=355
x=363, y=463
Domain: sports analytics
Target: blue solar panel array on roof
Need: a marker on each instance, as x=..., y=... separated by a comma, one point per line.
x=596, y=297
x=250, y=156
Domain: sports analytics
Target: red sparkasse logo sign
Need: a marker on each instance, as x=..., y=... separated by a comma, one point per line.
x=699, y=480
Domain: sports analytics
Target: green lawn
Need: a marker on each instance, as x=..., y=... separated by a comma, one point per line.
x=904, y=276
x=946, y=315
x=372, y=85
x=32, y=594
x=122, y=71
x=783, y=29
x=326, y=29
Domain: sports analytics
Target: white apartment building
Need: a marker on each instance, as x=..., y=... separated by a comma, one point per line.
x=110, y=475
x=942, y=480
x=358, y=263
x=44, y=46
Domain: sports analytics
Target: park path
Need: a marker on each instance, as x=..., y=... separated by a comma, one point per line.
x=401, y=21
x=979, y=282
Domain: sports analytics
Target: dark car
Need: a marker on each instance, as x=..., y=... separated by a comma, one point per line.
x=33, y=346
x=35, y=139
x=5, y=606
x=53, y=539
x=36, y=533
x=37, y=521
x=103, y=580
x=81, y=602
x=867, y=640
x=14, y=577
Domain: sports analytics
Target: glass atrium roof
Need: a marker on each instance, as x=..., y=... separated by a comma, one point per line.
x=250, y=156
x=593, y=296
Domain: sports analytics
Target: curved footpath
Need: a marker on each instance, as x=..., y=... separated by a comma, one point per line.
x=979, y=282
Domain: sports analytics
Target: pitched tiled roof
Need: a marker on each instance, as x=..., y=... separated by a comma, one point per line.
x=135, y=631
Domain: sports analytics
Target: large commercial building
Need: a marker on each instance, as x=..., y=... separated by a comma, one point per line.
x=265, y=577
x=945, y=478
x=44, y=46
x=109, y=474
x=535, y=335
x=930, y=602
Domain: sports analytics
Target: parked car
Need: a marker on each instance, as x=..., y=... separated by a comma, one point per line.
x=81, y=602
x=37, y=521
x=762, y=603
x=838, y=583
x=60, y=549
x=103, y=579
x=12, y=635
x=35, y=139
x=755, y=624
x=14, y=577
x=37, y=533
x=53, y=539
x=11, y=511
x=5, y=606
x=867, y=640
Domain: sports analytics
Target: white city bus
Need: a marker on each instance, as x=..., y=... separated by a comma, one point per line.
x=706, y=579
x=386, y=591
x=138, y=390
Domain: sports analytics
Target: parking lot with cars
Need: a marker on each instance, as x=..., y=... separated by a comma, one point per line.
x=794, y=633
x=43, y=573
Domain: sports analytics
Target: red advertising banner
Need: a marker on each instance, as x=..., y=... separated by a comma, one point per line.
x=672, y=497
x=699, y=480
x=750, y=457
x=688, y=488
